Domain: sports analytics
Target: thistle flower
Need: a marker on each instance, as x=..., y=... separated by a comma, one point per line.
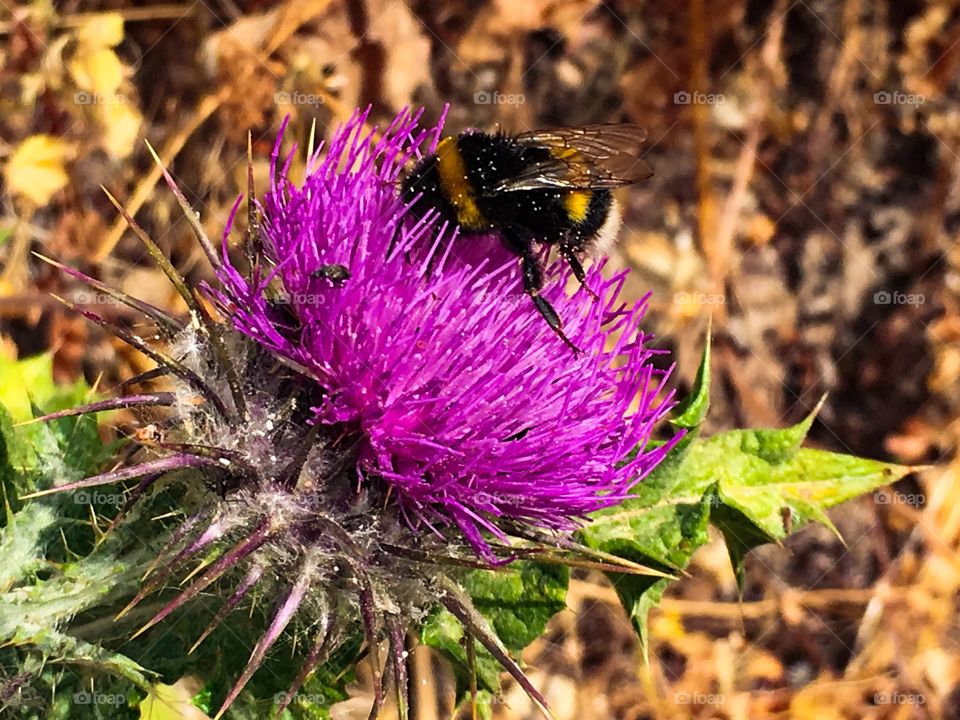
x=459, y=396
x=374, y=409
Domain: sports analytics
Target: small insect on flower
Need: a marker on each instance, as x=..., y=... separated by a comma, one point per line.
x=549, y=186
x=334, y=273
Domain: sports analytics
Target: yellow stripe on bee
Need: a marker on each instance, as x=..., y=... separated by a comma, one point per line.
x=456, y=187
x=577, y=204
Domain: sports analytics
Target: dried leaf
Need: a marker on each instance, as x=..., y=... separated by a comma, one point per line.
x=121, y=123
x=101, y=31
x=36, y=170
x=97, y=70
x=406, y=45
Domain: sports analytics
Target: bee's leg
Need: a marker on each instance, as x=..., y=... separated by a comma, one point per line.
x=533, y=284
x=568, y=254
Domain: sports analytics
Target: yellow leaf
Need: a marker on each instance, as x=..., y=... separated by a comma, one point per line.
x=100, y=31
x=18, y=378
x=36, y=169
x=172, y=702
x=97, y=71
x=121, y=123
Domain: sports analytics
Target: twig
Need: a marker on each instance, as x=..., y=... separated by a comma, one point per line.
x=204, y=110
x=849, y=601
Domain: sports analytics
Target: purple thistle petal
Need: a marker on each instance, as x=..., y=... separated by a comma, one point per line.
x=281, y=619
x=398, y=654
x=246, y=585
x=213, y=573
x=368, y=615
x=120, y=403
x=165, y=321
x=318, y=653
x=132, y=497
x=167, y=464
x=478, y=628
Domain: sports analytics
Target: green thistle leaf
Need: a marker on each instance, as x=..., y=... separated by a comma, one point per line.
x=518, y=601
x=692, y=411
x=756, y=486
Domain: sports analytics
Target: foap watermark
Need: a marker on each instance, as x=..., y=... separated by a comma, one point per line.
x=509, y=298
x=899, y=698
x=885, y=97
x=297, y=98
x=698, y=698
x=86, y=97
x=482, y=97
x=698, y=298
x=683, y=97
x=890, y=497
x=499, y=499
x=95, y=698
x=300, y=299
x=307, y=699
x=94, y=497
x=885, y=297
x=91, y=297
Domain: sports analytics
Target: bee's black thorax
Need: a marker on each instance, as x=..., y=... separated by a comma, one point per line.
x=549, y=187
x=459, y=181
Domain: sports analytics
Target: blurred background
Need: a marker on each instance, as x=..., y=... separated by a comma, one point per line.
x=806, y=197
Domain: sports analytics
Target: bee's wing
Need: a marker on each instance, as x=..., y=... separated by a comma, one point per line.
x=600, y=156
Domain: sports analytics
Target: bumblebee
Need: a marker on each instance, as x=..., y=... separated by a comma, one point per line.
x=548, y=187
